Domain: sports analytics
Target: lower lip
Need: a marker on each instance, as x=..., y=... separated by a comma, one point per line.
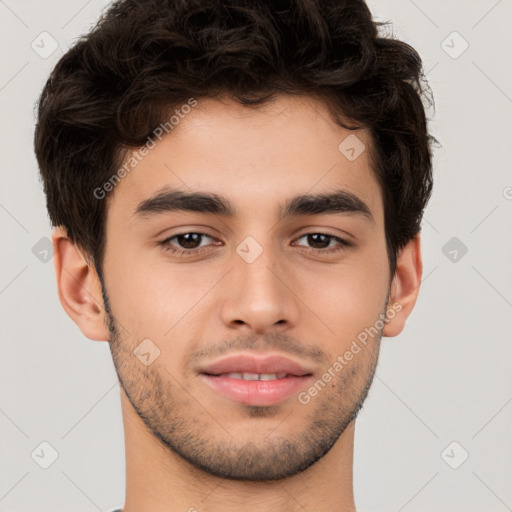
x=256, y=392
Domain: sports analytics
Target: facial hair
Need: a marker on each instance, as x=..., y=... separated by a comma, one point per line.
x=176, y=419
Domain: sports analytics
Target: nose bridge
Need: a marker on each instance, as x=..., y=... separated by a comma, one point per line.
x=259, y=296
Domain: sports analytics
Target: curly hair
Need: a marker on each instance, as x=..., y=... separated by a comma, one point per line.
x=145, y=57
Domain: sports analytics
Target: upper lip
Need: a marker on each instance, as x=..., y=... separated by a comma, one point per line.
x=249, y=363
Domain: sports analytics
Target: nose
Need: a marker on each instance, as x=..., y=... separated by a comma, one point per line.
x=260, y=295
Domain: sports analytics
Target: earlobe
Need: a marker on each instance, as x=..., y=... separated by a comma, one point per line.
x=404, y=287
x=79, y=287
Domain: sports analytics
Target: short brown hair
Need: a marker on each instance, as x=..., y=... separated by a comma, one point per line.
x=145, y=57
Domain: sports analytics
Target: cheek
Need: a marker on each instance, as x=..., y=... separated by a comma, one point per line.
x=347, y=298
x=151, y=299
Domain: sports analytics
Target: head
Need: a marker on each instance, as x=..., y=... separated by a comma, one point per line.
x=293, y=137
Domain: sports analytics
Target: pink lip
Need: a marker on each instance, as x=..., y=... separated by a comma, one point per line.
x=256, y=392
x=249, y=363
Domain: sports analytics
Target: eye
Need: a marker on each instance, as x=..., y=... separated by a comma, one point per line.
x=189, y=242
x=322, y=242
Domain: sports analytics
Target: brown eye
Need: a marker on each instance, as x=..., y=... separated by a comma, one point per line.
x=322, y=241
x=189, y=240
x=185, y=242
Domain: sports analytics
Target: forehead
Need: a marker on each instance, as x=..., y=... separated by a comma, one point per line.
x=256, y=157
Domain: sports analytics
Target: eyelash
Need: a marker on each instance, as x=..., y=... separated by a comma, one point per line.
x=343, y=244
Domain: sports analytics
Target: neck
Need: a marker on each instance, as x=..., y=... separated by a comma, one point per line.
x=159, y=480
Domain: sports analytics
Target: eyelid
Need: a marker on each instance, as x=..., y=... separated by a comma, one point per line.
x=340, y=233
x=195, y=232
x=330, y=235
x=341, y=246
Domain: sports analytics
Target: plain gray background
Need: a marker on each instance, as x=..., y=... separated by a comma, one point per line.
x=443, y=388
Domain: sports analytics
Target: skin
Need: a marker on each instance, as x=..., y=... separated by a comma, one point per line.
x=187, y=447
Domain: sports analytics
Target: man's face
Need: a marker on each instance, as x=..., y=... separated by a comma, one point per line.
x=304, y=296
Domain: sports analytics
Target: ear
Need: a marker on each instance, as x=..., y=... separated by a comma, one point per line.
x=79, y=287
x=404, y=287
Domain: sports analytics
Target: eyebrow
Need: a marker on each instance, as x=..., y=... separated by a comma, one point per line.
x=170, y=200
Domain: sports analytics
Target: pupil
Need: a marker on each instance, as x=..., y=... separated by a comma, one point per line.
x=188, y=238
x=311, y=239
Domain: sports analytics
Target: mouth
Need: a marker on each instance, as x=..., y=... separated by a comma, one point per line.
x=252, y=376
x=259, y=381
x=249, y=366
